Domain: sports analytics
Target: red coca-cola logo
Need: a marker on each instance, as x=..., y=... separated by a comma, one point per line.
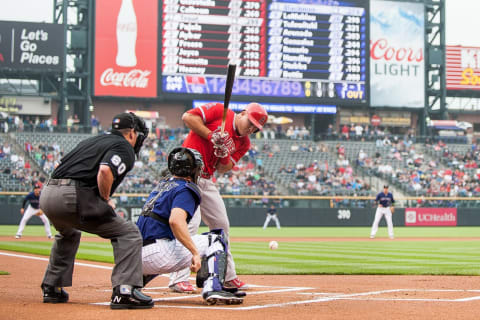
x=375, y=121
x=135, y=78
x=380, y=49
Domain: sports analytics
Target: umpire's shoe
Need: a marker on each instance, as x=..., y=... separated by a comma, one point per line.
x=127, y=297
x=53, y=294
x=212, y=297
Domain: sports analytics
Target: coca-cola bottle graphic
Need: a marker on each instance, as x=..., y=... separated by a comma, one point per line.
x=126, y=35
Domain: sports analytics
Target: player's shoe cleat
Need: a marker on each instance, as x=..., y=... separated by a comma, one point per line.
x=214, y=297
x=18, y=236
x=236, y=283
x=54, y=294
x=235, y=291
x=182, y=287
x=50, y=237
x=127, y=297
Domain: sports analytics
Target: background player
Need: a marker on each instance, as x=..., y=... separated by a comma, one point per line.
x=77, y=198
x=33, y=209
x=220, y=153
x=271, y=215
x=168, y=245
x=385, y=208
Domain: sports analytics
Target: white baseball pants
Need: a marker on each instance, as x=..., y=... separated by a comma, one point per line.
x=166, y=256
x=271, y=217
x=381, y=211
x=213, y=213
x=30, y=212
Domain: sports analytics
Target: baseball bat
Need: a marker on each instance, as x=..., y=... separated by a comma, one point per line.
x=228, y=92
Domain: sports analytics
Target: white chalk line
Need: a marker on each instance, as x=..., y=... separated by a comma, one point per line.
x=327, y=296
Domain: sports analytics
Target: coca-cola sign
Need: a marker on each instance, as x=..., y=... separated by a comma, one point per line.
x=132, y=79
x=397, y=61
x=126, y=48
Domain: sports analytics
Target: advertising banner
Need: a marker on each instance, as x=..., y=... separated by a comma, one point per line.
x=463, y=68
x=31, y=46
x=430, y=216
x=277, y=107
x=126, y=48
x=397, y=66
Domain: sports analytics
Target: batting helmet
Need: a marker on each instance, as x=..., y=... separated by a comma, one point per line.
x=185, y=162
x=257, y=115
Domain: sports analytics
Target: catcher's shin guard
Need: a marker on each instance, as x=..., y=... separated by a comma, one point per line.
x=214, y=264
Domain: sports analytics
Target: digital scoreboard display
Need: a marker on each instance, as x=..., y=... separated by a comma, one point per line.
x=283, y=49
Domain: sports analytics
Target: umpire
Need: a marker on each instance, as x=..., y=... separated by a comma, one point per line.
x=77, y=198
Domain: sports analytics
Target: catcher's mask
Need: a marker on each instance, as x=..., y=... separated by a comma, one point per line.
x=185, y=162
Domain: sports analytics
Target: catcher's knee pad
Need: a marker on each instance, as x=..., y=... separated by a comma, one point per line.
x=217, y=235
x=215, y=262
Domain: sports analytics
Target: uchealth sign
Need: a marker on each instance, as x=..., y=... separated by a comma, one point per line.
x=31, y=46
x=430, y=216
x=397, y=64
x=125, y=59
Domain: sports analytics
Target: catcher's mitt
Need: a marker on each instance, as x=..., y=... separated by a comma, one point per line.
x=392, y=209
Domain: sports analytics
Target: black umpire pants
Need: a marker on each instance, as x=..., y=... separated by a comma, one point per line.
x=59, y=202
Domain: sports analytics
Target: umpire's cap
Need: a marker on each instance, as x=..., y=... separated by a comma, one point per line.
x=129, y=120
x=124, y=120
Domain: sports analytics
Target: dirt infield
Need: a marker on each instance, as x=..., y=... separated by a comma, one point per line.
x=272, y=297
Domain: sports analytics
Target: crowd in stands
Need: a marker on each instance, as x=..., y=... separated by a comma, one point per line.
x=16, y=173
x=350, y=157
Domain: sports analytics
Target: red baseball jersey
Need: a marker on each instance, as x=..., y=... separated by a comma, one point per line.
x=212, y=114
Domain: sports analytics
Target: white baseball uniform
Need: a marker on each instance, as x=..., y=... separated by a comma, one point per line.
x=166, y=256
x=271, y=217
x=379, y=213
x=213, y=212
x=212, y=209
x=30, y=212
x=385, y=201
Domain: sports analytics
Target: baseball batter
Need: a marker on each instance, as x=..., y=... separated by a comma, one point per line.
x=33, y=209
x=385, y=208
x=220, y=153
x=167, y=244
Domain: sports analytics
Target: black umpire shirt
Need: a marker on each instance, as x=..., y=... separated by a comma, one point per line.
x=83, y=162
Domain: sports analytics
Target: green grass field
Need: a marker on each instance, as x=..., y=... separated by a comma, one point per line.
x=380, y=256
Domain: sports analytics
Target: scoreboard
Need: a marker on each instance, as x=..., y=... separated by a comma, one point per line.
x=283, y=49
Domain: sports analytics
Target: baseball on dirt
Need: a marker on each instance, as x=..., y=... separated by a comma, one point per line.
x=273, y=245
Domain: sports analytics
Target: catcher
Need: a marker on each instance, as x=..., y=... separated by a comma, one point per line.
x=33, y=209
x=385, y=208
x=167, y=243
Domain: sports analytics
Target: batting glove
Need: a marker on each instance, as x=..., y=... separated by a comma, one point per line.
x=220, y=151
x=217, y=138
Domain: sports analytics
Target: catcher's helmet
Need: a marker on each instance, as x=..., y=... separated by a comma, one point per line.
x=185, y=162
x=256, y=114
